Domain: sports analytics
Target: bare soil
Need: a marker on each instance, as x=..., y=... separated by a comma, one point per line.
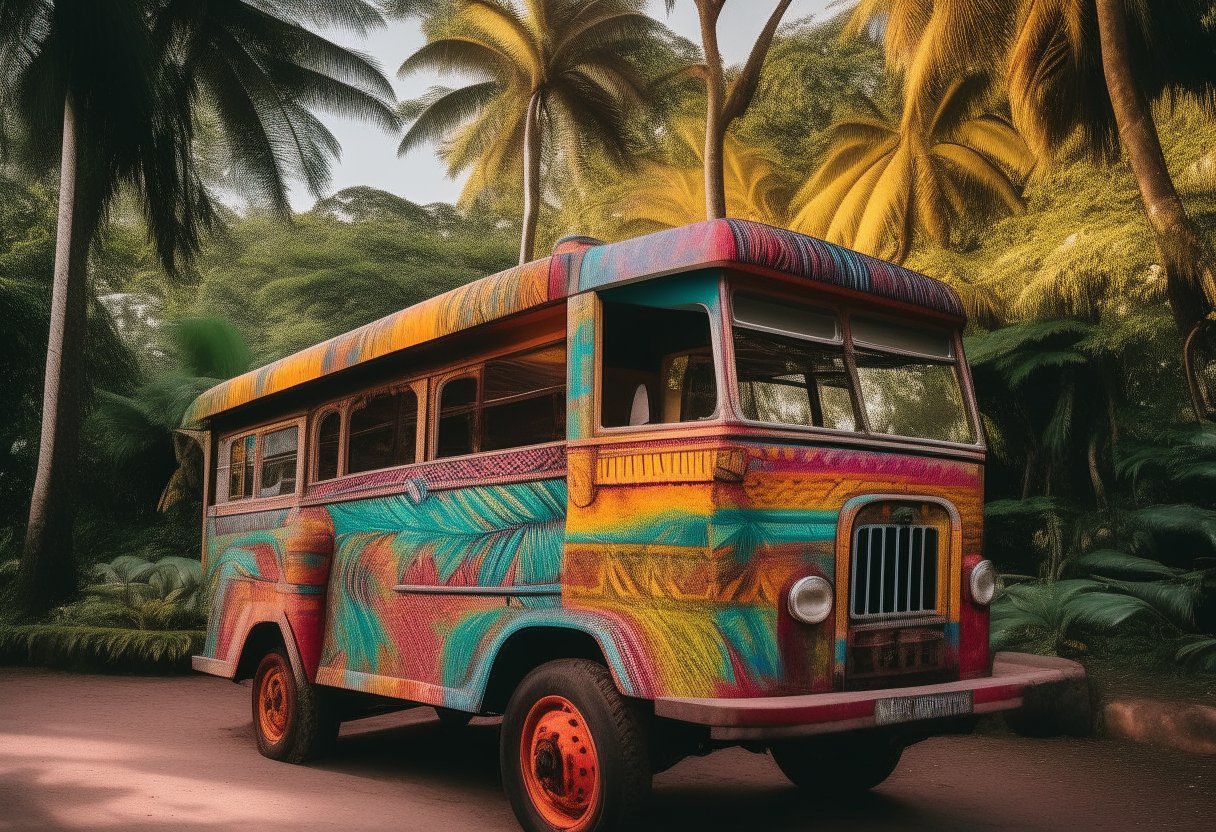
x=83, y=752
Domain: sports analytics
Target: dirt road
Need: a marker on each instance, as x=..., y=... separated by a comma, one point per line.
x=125, y=753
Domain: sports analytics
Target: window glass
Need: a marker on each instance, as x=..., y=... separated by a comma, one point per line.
x=457, y=418
x=383, y=433
x=907, y=396
x=240, y=470
x=786, y=318
x=657, y=366
x=878, y=333
x=792, y=381
x=327, y=445
x=524, y=400
x=279, y=462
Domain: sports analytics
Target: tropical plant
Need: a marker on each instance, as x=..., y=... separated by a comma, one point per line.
x=123, y=83
x=724, y=105
x=140, y=431
x=887, y=178
x=550, y=72
x=666, y=194
x=1087, y=70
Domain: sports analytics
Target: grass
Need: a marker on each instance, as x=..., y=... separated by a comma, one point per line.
x=92, y=649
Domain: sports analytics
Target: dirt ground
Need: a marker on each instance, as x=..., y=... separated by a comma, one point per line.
x=81, y=752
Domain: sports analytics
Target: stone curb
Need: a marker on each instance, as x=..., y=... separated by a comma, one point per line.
x=1185, y=726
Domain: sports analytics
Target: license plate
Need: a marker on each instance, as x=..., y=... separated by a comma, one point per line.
x=930, y=706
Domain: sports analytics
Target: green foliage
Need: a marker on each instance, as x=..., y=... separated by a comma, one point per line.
x=286, y=288
x=134, y=593
x=111, y=647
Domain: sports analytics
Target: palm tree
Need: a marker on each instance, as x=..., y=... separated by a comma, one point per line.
x=549, y=70
x=1088, y=68
x=666, y=194
x=884, y=180
x=123, y=83
x=722, y=105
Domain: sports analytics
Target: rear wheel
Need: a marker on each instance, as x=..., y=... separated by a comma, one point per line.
x=573, y=754
x=842, y=765
x=293, y=722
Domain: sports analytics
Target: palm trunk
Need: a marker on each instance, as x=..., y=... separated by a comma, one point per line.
x=531, y=178
x=1190, y=271
x=715, y=129
x=46, y=574
x=1095, y=474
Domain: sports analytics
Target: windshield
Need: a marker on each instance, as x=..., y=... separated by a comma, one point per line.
x=793, y=369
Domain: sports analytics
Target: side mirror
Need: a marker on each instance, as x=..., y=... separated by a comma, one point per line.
x=639, y=412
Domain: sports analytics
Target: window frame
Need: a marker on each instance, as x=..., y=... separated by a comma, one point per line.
x=844, y=312
x=438, y=383
x=717, y=352
x=224, y=463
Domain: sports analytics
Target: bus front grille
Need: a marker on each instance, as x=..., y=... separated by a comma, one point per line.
x=894, y=571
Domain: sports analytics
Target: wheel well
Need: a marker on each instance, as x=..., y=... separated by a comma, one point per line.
x=527, y=650
x=261, y=640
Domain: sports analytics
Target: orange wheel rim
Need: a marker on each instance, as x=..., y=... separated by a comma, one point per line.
x=273, y=705
x=560, y=767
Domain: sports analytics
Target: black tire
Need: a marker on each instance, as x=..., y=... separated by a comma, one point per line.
x=618, y=743
x=293, y=722
x=451, y=719
x=840, y=765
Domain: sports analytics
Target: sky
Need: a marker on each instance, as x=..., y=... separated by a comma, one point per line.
x=369, y=156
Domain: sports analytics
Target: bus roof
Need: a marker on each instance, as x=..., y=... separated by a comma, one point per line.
x=577, y=265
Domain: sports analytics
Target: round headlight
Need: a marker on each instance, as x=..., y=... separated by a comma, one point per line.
x=811, y=599
x=983, y=583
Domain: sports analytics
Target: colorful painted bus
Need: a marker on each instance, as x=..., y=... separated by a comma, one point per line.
x=715, y=486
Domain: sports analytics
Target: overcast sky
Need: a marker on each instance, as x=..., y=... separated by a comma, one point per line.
x=369, y=157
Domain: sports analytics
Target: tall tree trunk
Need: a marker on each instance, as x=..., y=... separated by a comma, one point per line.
x=1190, y=271
x=46, y=573
x=721, y=109
x=531, y=178
x=715, y=129
x=1095, y=473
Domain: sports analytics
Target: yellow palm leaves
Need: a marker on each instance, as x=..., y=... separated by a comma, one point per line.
x=667, y=195
x=884, y=181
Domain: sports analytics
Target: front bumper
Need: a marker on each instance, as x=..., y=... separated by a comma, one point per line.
x=1014, y=676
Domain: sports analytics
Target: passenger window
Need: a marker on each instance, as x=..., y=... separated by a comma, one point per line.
x=383, y=433
x=457, y=418
x=792, y=381
x=279, y=462
x=524, y=400
x=327, y=445
x=240, y=471
x=657, y=366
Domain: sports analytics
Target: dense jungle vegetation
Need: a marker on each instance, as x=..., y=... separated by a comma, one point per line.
x=1101, y=484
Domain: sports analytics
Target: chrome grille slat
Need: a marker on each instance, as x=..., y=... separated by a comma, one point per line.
x=904, y=587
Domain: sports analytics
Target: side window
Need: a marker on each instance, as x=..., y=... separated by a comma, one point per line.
x=328, y=435
x=279, y=462
x=383, y=433
x=657, y=366
x=457, y=418
x=240, y=471
x=524, y=400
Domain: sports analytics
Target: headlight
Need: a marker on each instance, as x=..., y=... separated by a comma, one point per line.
x=983, y=583
x=811, y=599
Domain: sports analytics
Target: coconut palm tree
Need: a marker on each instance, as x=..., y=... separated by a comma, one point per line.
x=548, y=71
x=1087, y=68
x=666, y=194
x=122, y=83
x=724, y=105
x=888, y=178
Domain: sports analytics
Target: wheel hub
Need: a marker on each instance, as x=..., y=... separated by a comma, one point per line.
x=559, y=763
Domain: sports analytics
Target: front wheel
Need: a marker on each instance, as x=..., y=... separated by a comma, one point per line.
x=840, y=765
x=573, y=755
x=293, y=722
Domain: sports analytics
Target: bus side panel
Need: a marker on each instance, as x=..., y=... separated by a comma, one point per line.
x=425, y=647
x=268, y=566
